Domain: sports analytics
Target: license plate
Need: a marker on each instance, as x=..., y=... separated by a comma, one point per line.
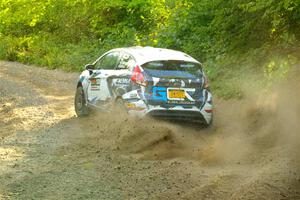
x=176, y=94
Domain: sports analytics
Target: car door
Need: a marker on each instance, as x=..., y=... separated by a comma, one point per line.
x=105, y=66
x=119, y=82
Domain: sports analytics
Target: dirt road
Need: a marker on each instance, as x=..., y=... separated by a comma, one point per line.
x=252, y=152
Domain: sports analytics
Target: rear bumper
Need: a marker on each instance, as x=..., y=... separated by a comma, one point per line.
x=202, y=114
x=177, y=115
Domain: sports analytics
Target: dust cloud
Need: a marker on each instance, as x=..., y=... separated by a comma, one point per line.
x=251, y=151
x=243, y=132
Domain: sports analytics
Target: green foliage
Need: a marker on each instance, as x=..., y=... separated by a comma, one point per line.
x=229, y=37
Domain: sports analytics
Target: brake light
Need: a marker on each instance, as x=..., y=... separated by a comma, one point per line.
x=206, y=82
x=137, y=76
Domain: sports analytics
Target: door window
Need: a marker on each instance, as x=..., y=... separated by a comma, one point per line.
x=108, y=61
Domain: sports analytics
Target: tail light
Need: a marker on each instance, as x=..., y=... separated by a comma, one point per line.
x=137, y=76
x=206, y=82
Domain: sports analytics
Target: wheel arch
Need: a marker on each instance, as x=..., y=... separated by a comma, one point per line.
x=79, y=84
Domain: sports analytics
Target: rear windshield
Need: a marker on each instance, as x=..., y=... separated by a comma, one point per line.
x=174, y=65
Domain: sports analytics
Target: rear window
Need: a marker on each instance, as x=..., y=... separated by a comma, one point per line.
x=174, y=65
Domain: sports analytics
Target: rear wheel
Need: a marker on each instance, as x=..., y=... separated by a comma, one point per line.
x=81, y=108
x=120, y=107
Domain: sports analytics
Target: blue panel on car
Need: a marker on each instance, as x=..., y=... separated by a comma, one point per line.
x=159, y=94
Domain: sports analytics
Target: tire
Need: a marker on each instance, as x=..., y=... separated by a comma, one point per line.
x=119, y=106
x=208, y=125
x=81, y=108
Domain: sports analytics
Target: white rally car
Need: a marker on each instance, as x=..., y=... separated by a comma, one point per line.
x=146, y=81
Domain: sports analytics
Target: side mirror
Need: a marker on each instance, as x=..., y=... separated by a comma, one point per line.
x=89, y=67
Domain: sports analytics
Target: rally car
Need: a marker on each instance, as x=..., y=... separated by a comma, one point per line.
x=146, y=81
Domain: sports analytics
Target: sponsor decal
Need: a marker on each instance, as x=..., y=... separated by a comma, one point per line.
x=133, y=96
x=181, y=102
x=95, y=84
x=159, y=94
x=122, y=81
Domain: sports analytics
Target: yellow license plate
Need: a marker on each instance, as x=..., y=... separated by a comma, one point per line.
x=176, y=94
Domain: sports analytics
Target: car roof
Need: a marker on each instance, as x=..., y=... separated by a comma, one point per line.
x=143, y=55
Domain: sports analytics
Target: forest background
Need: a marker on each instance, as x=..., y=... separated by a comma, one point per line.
x=257, y=40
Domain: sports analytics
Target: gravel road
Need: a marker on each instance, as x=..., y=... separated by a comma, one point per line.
x=46, y=152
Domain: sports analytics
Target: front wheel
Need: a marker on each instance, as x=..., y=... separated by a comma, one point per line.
x=208, y=125
x=81, y=108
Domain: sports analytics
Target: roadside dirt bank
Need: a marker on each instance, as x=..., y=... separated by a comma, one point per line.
x=46, y=152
